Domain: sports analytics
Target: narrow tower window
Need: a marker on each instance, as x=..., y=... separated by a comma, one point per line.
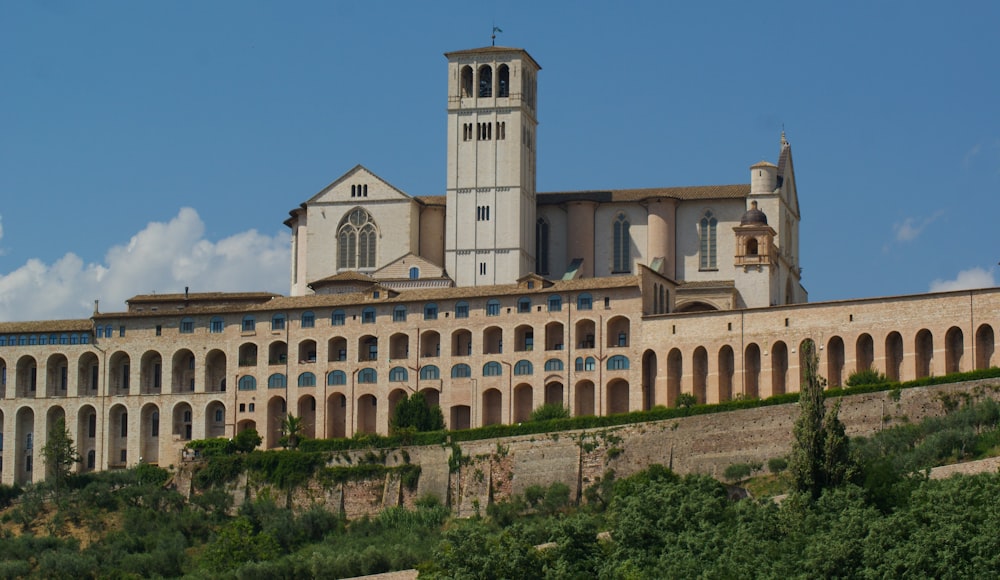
x=708, y=243
x=485, y=81
x=503, y=80
x=542, y=246
x=467, y=81
x=622, y=245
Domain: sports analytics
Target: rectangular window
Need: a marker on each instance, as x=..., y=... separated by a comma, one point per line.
x=124, y=455
x=217, y=326
x=462, y=311
x=482, y=268
x=159, y=329
x=337, y=319
x=278, y=324
x=187, y=327
x=493, y=309
x=399, y=315
x=368, y=317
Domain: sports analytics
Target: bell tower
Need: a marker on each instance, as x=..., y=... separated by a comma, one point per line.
x=492, y=120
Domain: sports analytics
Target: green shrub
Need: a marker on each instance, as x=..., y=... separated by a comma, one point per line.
x=737, y=472
x=777, y=464
x=549, y=411
x=868, y=376
x=686, y=400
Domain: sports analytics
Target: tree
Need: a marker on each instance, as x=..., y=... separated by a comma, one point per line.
x=413, y=412
x=291, y=427
x=820, y=453
x=60, y=454
x=246, y=440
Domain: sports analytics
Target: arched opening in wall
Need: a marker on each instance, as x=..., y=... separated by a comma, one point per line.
x=307, y=351
x=307, y=413
x=554, y=336
x=395, y=396
x=215, y=371
x=805, y=347
x=336, y=349
x=923, y=347
x=399, y=346
x=86, y=436
x=357, y=240
x=466, y=82
x=835, y=361
x=893, y=356
x=182, y=422
x=149, y=434
x=485, y=81
x=183, y=372
x=246, y=424
x=151, y=373
x=493, y=340
x=248, y=355
x=52, y=417
x=864, y=353
x=117, y=445
x=675, y=372
x=503, y=81
x=492, y=407
x=583, y=399
x=27, y=377
x=276, y=411
x=985, y=347
x=618, y=396
x=88, y=376
x=24, y=446
x=460, y=417
x=461, y=343
x=367, y=348
x=430, y=344
x=57, y=376
x=751, y=372
x=699, y=370
x=119, y=374
x=954, y=350
x=432, y=397
x=277, y=353
x=752, y=247
x=554, y=394
x=618, y=332
x=695, y=306
x=523, y=402
x=336, y=415
x=524, y=338
x=367, y=413
x=727, y=368
x=648, y=380
x=779, y=368
x=585, y=333
x=3, y=380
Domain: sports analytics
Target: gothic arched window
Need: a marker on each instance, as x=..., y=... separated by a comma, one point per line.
x=357, y=240
x=542, y=246
x=706, y=234
x=622, y=245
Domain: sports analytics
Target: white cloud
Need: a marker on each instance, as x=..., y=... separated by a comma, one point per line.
x=911, y=228
x=966, y=280
x=163, y=257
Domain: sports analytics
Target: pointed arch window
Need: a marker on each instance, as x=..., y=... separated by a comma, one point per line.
x=357, y=240
x=706, y=233
x=503, y=81
x=542, y=246
x=622, y=245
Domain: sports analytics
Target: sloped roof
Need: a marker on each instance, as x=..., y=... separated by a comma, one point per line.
x=75, y=325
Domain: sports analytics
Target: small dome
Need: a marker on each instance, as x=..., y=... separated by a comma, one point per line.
x=753, y=216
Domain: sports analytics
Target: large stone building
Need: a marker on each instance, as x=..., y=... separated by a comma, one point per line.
x=491, y=299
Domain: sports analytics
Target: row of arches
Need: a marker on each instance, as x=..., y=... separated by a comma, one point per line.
x=481, y=82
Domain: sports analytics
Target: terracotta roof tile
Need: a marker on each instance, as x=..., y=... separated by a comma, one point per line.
x=77, y=325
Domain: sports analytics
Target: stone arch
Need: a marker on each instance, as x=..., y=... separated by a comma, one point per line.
x=555, y=338
x=727, y=369
x=461, y=342
x=24, y=445
x=336, y=415
x=618, y=397
x=493, y=340
x=307, y=351
x=57, y=375
x=893, y=356
x=182, y=372
x=215, y=371
x=432, y=397
x=277, y=352
x=182, y=421
x=695, y=306
x=367, y=348
x=151, y=373
x=779, y=368
x=118, y=432
x=399, y=346
x=492, y=407
x=460, y=417
x=649, y=370
x=585, y=332
x=584, y=398
x=86, y=437
x=395, y=396
x=277, y=408
x=27, y=377
x=336, y=349
x=807, y=346
x=985, y=347
x=215, y=420
x=954, y=350
x=923, y=348
x=523, y=402
x=149, y=434
x=675, y=372
x=3, y=379
x=307, y=413
x=245, y=424
x=699, y=371
x=554, y=393
x=430, y=344
x=751, y=371
x=88, y=374
x=367, y=413
x=619, y=332
x=248, y=355
x=835, y=361
x=524, y=338
x=52, y=417
x=864, y=353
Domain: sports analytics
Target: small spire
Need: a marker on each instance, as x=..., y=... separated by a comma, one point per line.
x=784, y=141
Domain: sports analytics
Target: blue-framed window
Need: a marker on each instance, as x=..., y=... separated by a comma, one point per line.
x=308, y=320
x=398, y=374
x=276, y=381
x=216, y=325
x=399, y=314
x=461, y=371
x=618, y=363
x=430, y=311
x=64, y=338
x=337, y=318
x=555, y=303
x=307, y=380
x=74, y=338
x=429, y=373
x=524, y=305
x=584, y=302
x=108, y=331
x=84, y=339
x=249, y=323
x=335, y=378
x=3, y=341
x=523, y=367
x=493, y=308
x=553, y=364
x=368, y=316
x=367, y=376
x=462, y=310
x=414, y=273
x=278, y=322
x=187, y=325
x=492, y=369
x=247, y=383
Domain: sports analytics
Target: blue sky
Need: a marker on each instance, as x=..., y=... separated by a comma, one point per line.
x=152, y=146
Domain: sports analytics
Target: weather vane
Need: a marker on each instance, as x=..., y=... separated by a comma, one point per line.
x=493, y=37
